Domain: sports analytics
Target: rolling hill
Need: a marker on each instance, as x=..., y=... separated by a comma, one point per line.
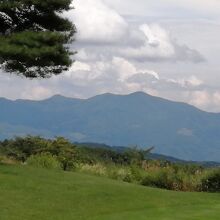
x=31, y=194
x=174, y=128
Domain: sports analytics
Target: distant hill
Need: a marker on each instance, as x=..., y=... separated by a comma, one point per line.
x=152, y=156
x=176, y=129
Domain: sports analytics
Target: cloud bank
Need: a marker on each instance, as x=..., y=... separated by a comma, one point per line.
x=103, y=33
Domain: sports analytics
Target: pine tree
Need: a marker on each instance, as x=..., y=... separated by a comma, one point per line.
x=34, y=37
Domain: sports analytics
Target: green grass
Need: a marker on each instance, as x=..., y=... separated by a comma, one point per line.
x=38, y=194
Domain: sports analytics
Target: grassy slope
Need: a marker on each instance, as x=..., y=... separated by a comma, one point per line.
x=35, y=194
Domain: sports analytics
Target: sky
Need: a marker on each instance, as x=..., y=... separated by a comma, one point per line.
x=166, y=48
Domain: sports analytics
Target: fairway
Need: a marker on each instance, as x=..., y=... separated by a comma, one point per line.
x=38, y=194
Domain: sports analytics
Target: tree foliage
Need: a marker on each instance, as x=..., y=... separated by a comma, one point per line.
x=34, y=37
x=211, y=182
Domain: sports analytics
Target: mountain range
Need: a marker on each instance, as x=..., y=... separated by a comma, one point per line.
x=173, y=128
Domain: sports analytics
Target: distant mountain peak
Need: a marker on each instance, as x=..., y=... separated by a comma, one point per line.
x=140, y=94
x=134, y=94
x=58, y=97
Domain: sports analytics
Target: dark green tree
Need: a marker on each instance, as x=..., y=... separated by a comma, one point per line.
x=34, y=37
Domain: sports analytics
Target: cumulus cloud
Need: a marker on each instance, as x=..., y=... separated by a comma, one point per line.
x=200, y=98
x=156, y=45
x=37, y=92
x=97, y=23
x=104, y=33
x=79, y=66
x=159, y=45
x=192, y=83
x=116, y=70
x=120, y=75
x=204, y=99
x=82, y=80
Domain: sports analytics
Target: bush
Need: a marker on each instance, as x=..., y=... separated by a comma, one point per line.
x=66, y=163
x=211, y=182
x=136, y=173
x=7, y=160
x=43, y=160
x=118, y=172
x=97, y=169
x=163, y=178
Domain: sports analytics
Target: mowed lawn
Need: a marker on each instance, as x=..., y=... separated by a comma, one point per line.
x=38, y=194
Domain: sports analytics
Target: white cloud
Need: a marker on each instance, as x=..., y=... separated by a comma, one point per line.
x=97, y=23
x=205, y=99
x=80, y=66
x=190, y=83
x=36, y=93
x=157, y=44
x=160, y=46
x=193, y=81
x=103, y=33
x=216, y=97
x=200, y=98
x=125, y=68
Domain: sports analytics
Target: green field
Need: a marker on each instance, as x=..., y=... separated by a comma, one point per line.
x=38, y=194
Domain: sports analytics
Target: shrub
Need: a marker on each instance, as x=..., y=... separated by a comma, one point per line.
x=97, y=169
x=163, y=178
x=43, y=160
x=211, y=182
x=147, y=180
x=7, y=160
x=136, y=173
x=67, y=163
x=122, y=173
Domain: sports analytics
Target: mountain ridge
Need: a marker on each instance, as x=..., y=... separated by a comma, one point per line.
x=174, y=128
x=59, y=96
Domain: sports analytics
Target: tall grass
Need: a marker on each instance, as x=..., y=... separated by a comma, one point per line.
x=160, y=175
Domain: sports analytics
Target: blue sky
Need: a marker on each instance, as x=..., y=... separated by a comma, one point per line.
x=166, y=48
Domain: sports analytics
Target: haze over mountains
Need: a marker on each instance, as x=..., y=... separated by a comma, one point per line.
x=175, y=129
